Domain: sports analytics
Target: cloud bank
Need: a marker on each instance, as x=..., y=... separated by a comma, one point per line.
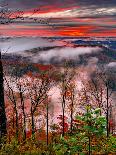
x=16, y=45
x=58, y=55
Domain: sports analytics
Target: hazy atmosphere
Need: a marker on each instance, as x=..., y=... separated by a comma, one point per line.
x=57, y=77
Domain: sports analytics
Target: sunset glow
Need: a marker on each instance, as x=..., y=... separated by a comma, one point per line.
x=60, y=19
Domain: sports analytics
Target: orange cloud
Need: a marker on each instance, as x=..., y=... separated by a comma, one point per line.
x=45, y=31
x=27, y=32
x=75, y=31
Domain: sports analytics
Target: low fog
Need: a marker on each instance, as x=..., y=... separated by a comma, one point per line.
x=15, y=45
x=59, y=55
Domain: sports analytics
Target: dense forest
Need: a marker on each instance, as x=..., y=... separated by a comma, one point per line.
x=29, y=120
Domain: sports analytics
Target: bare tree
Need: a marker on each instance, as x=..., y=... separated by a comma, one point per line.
x=21, y=90
x=37, y=90
x=11, y=94
x=46, y=105
x=97, y=91
x=107, y=83
x=71, y=96
x=66, y=77
x=103, y=90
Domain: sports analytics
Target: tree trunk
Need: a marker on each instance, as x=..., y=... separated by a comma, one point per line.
x=107, y=113
x=89, y=145
x=71, y=115
x=24, y=121
x=47, y=123
x=63, y=121
x=24, y=116
x=3, y=130
x=16, y=114
x=32, y=124
x=17, y=125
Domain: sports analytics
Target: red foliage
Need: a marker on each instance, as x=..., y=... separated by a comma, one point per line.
x=43, y=67
x=28, y=134
x=29, y=74
x=111, y=123
x=66, y=125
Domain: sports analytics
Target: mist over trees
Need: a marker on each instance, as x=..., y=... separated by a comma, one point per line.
x=29, y=102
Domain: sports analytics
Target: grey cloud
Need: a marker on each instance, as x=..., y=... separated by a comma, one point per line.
x=70, y=23
x=62, y=3
x=17, y=45
x=98, y=3
x=98, y=11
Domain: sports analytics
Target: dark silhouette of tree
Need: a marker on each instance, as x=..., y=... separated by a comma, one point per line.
x=3, y=130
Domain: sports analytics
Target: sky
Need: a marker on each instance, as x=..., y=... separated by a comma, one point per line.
x=72, y=18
